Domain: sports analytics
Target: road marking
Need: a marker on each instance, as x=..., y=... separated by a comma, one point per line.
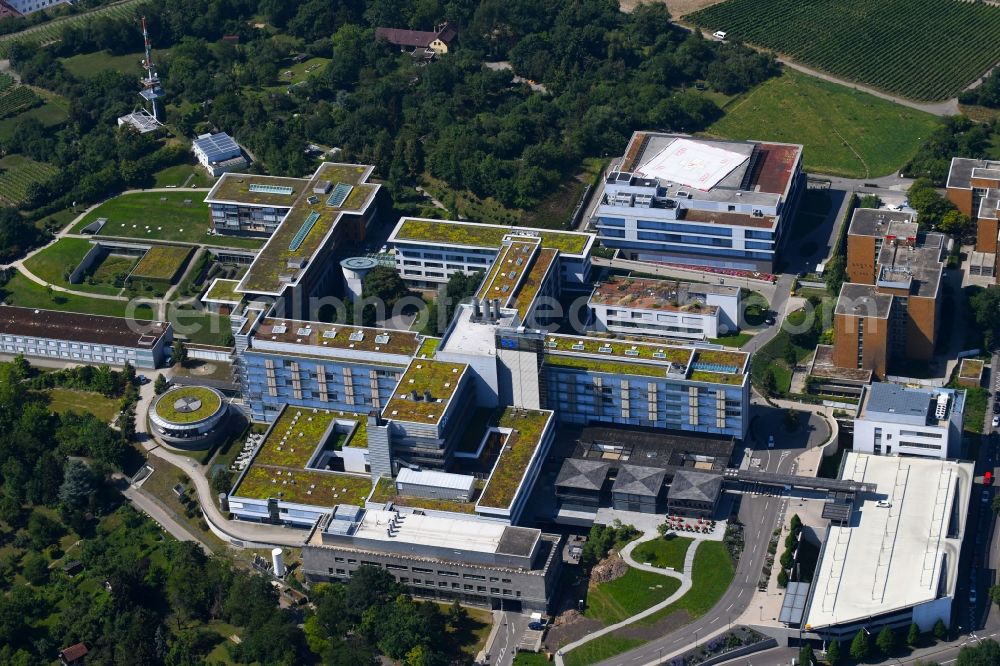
x=729, y=606
x=740, y=593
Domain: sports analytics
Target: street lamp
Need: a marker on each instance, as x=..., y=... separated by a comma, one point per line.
x=761, y=612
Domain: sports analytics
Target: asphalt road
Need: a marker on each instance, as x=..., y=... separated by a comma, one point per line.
x=759, y=515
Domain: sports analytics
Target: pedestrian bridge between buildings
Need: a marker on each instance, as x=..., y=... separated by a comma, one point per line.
x=794, y=481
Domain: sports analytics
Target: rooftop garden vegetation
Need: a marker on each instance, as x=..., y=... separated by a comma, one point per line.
x=527, y=428
x=613, y=348
x=438, y=378
x=172, y=404
x=224, y=290
x=385, y=491
x=294, y=437
x=303, y=486
x=161, y=263
x=473, y=235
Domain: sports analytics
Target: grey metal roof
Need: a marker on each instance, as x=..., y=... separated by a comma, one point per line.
x=891, y=399
x=695, y=486
x=435, y=479
x=582, y=474
x=518, y=540
x=637, y=480
x=217, y=147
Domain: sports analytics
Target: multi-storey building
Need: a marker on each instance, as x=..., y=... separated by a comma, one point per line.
x=663, y=308
x=888, y=312
x=304, y=219
x=25, y=7
x=974, y=187
x=477, y=563
x=676, y=199
x=310, y=364
x=83, y=338
x=428, y=252
x=900, y=421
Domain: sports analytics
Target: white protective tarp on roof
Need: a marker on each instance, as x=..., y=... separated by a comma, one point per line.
x=435, y=479
x=692, y=163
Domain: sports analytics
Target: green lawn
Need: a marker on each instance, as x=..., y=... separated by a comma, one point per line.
x=67, y=400
x=186, y=175
x=600, y=649
x=531, y=659
x=663, y=552
x=54, y=262
x=53, y=112
x=161, y=216
x=87, y=65
x=624, y=597
x=713, y=571
x=736, y=340
x=23, y=292
x=845, y=132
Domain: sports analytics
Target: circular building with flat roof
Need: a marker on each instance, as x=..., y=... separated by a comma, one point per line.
x=189, y=417
x=355, y=269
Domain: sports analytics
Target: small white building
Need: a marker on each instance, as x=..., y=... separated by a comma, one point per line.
x=639, y=306
x=219, y=153
x=896, y=420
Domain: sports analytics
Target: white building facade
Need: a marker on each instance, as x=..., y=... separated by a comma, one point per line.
x=896, y=420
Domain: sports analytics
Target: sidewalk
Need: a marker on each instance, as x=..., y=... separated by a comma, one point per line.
x=626, y=553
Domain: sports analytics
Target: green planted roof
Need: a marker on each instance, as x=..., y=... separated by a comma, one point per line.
x=483, y=235
x=188, y=404
x=527, y=429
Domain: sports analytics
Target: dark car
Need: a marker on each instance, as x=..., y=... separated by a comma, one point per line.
x=769, y=320
x=536, y=626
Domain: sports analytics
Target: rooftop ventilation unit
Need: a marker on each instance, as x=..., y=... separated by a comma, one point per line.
x=941, y=409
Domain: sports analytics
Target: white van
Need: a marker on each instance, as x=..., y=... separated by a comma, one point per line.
x=719, y=35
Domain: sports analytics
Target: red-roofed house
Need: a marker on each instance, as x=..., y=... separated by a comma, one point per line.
x=73, y=655
x=6, y=11
x=438, y=41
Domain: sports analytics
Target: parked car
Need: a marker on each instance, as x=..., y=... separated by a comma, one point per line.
x=972, y=595
x=996, y=421
x=986, y=496
x=770, y=441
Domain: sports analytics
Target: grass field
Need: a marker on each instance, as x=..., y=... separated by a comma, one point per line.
x=600, y=649
x=663, y=552
x=54, y=263
x=87, y=65
x=844, y=132
x=182, y=175
x=66, y=400
x=23, y=292
x=928, y=50
x=17, y=98
x=624, y=597
x=17, y=174
x=161, y=216
x=52, y=113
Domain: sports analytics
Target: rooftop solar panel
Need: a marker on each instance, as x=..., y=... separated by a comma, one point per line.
x=303, y=231
x=339, y=195
x=270, y=189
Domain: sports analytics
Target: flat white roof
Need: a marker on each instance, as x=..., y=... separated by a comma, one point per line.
x=692, y=163
x=893, y=558
x=469, y=535
x=438, y=479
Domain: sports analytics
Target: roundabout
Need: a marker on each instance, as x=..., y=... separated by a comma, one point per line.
x=189, y=417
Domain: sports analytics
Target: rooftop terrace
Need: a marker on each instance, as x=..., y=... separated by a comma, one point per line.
x=648, y=294
x=470, y=234
x=438, y=379
x=223, y=291
x=335, y=336
x=279, y=467
x=508, y=271
x=527, y=430
x=301, y=235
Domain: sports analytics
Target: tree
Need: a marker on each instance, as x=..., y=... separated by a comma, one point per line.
x=984, y=653
x=985, y=306
x=457, y=616
x=160, y=384
x=43, y=530
x=179, y=352
x=381, y=289
x=783, y=578
x=770, y=381
x=955, y=223
x=913, y=635
x=791, y=419
x=833, y=652
x=860, y=646
x=834, y=273
x=806, y=657
x=77, y=485
x=222, y=480
x=35, y=568
x=886, y=641
x=994, y=593
x=940, y=630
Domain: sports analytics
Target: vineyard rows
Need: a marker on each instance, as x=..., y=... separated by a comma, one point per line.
x=52, y=31
x=15, y=183
x=15, y=100
x=926, y=50
x=6, y=81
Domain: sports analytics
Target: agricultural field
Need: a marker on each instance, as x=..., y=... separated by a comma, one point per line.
x=53, y=112
x=927, y=50
x=166, y=216
x=18, y=174
x=161, y=262
x=17, y=98
x=845, y=132
x=52, y=31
